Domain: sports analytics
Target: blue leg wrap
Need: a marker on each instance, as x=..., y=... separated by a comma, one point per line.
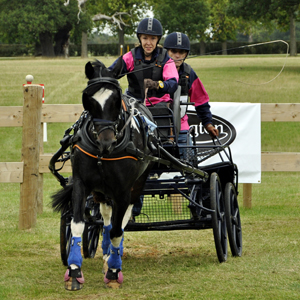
x=121, y=245
x=106, y=239
x=75, y=256
x=114, y=261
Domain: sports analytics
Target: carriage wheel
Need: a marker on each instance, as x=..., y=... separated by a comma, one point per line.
x=90, y=237
x=65, y=236
x=218, y=217
x=233, y=220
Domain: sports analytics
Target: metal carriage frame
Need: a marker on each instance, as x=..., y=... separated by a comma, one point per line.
x=190, y=197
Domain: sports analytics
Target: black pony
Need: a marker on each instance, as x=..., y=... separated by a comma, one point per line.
x=111, y=130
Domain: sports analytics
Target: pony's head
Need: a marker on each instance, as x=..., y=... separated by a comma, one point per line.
x=102, y=99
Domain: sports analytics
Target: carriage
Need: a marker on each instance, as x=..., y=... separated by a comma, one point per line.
x=181, y=191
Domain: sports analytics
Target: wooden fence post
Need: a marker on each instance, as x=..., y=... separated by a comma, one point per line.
x=247, y=195
x=31, y=139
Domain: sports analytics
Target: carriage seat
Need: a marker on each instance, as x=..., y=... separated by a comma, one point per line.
x=167, y=118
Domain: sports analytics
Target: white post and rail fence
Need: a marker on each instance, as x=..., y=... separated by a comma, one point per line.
x=34, y=163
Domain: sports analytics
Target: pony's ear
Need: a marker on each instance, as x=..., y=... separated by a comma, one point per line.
x=89, y=104
x=89, y=70
x=116, y=71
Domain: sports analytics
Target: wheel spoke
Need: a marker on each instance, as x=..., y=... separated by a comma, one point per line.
x=222, y=216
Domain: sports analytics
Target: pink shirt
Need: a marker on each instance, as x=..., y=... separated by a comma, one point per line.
x=198, y=95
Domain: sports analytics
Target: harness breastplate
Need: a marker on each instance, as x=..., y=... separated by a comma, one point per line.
x=151, y=70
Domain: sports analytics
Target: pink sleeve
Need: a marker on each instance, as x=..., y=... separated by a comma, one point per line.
x=128, y=59
x=184, y=123
x=170, y=70
x=198, y=93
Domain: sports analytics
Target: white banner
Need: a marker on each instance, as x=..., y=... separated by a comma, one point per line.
x=246, y=148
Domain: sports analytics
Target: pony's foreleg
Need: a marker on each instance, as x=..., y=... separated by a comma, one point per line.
x=106, y=212
x=126, y=218
x=114, y=276
x=115, y=261
x=73, y=277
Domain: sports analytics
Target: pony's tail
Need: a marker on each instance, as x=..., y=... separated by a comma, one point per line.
x=62, y=200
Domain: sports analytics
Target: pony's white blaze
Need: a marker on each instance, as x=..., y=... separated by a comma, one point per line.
x=102, y=96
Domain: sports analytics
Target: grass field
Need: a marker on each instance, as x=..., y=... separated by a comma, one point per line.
x=162, y=265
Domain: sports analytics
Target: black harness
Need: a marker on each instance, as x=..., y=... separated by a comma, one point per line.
x=184, y=79
x=87, y=141
x=184, y=83
x=85, y=135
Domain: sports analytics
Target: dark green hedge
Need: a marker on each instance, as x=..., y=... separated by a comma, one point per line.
x=98, y=49
x=13, y=50
x=113, y=49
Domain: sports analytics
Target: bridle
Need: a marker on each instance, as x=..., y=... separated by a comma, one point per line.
x=102, y=123
x=105, y=124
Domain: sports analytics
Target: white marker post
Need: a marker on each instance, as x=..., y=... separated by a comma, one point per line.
x=29, y=79
x=44, y=124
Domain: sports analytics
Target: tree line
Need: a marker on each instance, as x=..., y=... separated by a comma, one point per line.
x=51, y=25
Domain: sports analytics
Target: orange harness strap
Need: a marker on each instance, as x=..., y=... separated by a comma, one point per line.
x=102, y=158
x=124, y=105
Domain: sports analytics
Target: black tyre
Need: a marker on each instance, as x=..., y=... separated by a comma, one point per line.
x=233, y=220
x=218, y=217
x=65, y=236
x=90, y=237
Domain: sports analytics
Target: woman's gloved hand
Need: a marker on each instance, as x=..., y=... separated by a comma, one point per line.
x=150, y=84
x=213, y=132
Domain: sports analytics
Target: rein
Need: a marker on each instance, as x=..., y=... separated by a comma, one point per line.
x=127, y=122
x=239, y=47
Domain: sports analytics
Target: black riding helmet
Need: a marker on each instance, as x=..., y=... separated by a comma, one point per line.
x=150, y=26
x=177, y=40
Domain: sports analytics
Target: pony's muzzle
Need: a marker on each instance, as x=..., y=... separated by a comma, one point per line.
x=106, y=146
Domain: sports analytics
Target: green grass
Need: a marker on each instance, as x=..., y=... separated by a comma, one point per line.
x=161, y=265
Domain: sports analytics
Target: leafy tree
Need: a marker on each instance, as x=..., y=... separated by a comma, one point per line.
x=284, y=12
x=122, y=16
x=223, y=26
x=189, y=17
x=38, y=22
